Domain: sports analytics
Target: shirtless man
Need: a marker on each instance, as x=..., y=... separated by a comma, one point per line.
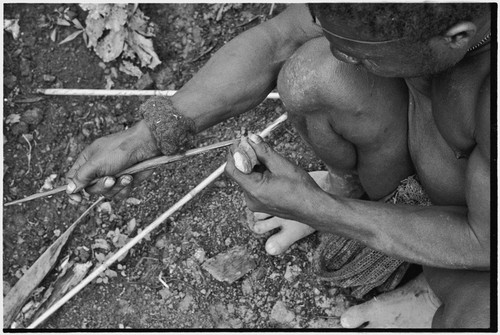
x=406, y=91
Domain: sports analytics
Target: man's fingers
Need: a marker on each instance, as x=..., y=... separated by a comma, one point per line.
x=81, y=177
x=265, y=154
x=103, y=186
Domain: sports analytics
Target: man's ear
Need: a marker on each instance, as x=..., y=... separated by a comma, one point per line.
x=460, y=35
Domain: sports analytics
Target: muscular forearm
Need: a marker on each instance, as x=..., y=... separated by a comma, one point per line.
x=439, y=236
x=241, y=74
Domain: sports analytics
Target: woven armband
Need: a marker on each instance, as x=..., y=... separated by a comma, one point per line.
x=172, y=131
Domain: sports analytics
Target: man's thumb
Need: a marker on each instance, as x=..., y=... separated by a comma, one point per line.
x=265, y=154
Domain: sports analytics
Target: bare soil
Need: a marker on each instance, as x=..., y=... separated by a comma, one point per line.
x=270, y=296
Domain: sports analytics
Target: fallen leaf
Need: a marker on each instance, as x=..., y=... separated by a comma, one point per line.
x=63, y=284
x=13, y=118
x=12, y=26
x=53, y=34
x=130, y=69
x=71, y=37
x=117, y=17
x=20, y=293
x=131, y=226
x=111, y=46
x=62, y=22
x=100, y=243
x=94, y=29
x=144, y=49
x=77, y=24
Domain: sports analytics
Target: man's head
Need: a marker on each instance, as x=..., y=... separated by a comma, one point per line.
x=401, y=39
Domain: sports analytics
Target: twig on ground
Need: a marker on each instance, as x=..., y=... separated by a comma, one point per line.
x=247, y=22
x=29, y=154
x=162, y=281
x=272, y=9
x=219, y=14
x=203, y=53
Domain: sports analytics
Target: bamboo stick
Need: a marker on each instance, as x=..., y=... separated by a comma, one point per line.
x=143, y=166
x=104, y=92
x=146, y=231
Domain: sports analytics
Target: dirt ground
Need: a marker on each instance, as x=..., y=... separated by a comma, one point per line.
x=281, y=292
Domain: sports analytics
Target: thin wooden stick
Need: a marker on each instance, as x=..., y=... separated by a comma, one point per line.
x=103, y=92
x=143, y=166
x=146, y=231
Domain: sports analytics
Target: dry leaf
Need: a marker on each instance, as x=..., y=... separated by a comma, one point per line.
x=12, y=118
x=94, y=29
x=12, y=26
x=20, y=293
x=117, y=18
x=63, y=284
x=53, y=35
x=62, y=22
x=77, y=24
x=100, y=243
x=111, y=46
x=71, y=37
x=144, y=49
x=130, y=69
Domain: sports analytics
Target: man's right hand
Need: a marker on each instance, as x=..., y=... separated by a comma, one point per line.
x=106, y=157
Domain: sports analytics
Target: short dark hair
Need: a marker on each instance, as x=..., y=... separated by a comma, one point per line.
x=420, y=21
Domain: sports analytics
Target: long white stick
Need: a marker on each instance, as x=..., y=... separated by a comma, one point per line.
x=103, y=92
x=146, y=231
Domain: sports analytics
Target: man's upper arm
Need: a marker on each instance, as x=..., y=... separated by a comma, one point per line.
x=478, y=186
x=292, y=28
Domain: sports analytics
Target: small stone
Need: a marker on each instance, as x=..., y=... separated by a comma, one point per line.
x=281, y=315
x=133, y=201
x=25, y=67
x=186, y=303
x=48, y=78
x=246, y=287
x=231, y=265
x=291, y=272
x=19, y=128
x=220, y=184
x=130, y=225
x=199, y=255
x=32, y=116
x=10, y=81
x=105, y=207
x=161, y=242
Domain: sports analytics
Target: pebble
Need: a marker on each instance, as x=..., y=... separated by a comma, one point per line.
x=10, y=81
x=48, y=78
x=291, y=272
x=25, y=67
x=19, y=128
x=281, y=315
x=32, y=116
